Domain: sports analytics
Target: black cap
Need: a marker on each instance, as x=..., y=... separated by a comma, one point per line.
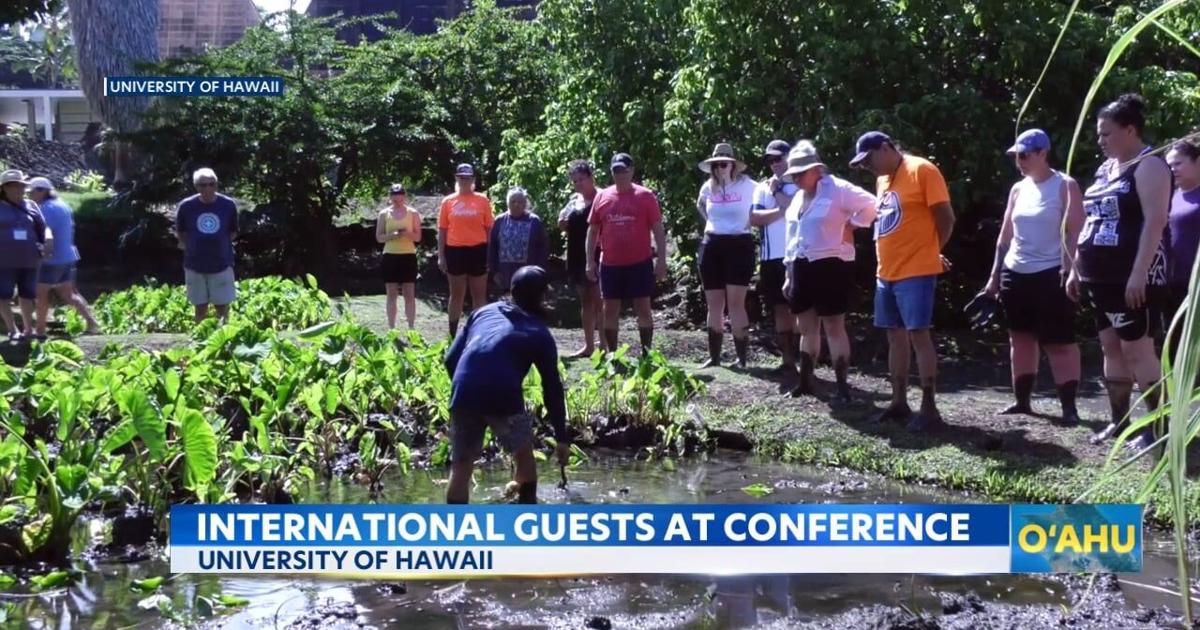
x=621, y=159
x=777, y=147
x=464, y=170
x=866, y=143
x=396, y=189
x=528, y=287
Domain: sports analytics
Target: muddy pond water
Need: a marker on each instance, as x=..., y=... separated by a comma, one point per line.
x=103, y=598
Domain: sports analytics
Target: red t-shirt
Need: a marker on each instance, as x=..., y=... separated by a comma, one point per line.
x=625, y=220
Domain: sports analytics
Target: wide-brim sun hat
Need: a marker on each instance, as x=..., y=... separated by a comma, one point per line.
x=41, y=183
x=803, y=157
x=723, y=152
x=12, y=176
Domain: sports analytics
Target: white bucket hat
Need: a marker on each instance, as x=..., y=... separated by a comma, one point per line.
x=12, y=176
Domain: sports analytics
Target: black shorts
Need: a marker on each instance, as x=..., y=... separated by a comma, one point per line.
x=577, y=273
x=1107, y=301
x=1036, y=303
x=627, y=282
x=467, y=261
x=726, y=259
x=399, y=268
x=771, y=275
x=824, y=284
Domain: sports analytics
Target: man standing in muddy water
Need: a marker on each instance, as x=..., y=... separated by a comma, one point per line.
x=915, y=222
x=487, y=363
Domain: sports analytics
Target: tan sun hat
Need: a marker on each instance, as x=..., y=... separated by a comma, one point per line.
x=12, y=176
x=803, y=157
x=723, y=152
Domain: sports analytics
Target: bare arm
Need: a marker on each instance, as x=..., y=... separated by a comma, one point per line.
x=381, y=233
x=943, y=217
x=1002, y=242
x=766, y=217
x=1154, y=191
x=1073, y=220
x=416, y=232
x=660, y=243
x=702, y=208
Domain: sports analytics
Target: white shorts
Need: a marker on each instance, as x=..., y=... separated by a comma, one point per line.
x=218, y=289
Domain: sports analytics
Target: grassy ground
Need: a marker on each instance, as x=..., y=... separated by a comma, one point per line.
x=1000, y=458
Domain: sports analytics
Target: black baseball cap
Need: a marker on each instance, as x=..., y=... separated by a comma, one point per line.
x=868, y=142
x=623, y=160
x=396, y=189
x=528, y=287
x=777, y=147
x=464, y=170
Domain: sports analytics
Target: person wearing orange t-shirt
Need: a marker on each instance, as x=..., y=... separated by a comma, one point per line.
x=464, y=223
x=915, y=223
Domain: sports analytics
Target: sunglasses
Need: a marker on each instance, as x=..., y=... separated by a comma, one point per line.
x=774, y=159
x=620, y=169
x=721, y=165
x=397, y=192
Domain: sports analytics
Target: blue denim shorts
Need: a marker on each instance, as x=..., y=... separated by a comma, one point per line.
x=906, y=303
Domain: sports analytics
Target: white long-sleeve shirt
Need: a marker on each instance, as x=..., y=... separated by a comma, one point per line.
x=816, y=227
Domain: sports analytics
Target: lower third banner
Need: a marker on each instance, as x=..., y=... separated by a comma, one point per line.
x=546, y=540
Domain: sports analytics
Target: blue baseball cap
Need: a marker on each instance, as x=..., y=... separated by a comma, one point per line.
x=1029, y=141
x=623, y=160
x=868, y=142
x=464, y=170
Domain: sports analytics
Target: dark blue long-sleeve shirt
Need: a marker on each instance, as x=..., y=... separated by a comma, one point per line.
x=492, y=354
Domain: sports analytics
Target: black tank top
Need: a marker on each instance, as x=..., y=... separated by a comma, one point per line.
x=1108, y=244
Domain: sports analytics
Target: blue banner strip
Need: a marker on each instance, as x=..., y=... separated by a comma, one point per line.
x=589, y=525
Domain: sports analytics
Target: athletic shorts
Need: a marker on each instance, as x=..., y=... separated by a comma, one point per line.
x=1037, y=304
x=399, y=268
x=825, y=285
x=726, y=259
x=218, y=289
x=467, y=261
x=906, y=303
x=56, y=274
x=1107, y=301
x=771, y=276
x=627, y=282
x=23, y=281
x=467, y=428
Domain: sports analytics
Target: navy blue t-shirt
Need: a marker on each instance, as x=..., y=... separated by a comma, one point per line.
x=489, y=359
x=207, y=230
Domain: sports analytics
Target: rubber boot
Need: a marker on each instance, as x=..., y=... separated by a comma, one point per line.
x=786, y=342
x=1066, y=399
x=841, y=368
x=742, y=347
x=610, y=339
x=527, y=493
x=1119, y=392
x=1023, y=391
x=715, y=339
x=646, y=334
x=1145, y=437
x=805, y=386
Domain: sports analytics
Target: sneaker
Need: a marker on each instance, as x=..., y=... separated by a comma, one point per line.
x=1140, y=442
x=1108, y=433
